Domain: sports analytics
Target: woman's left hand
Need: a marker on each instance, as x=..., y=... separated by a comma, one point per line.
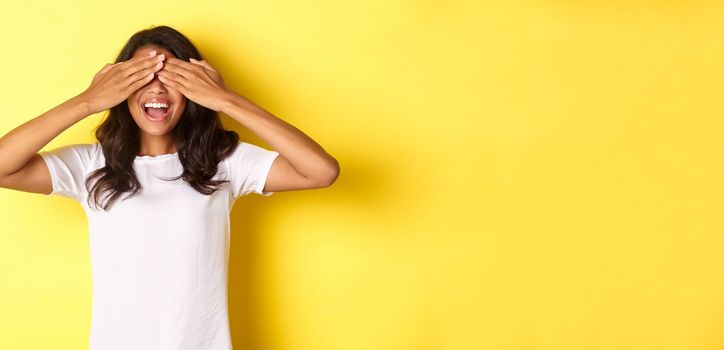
x=196, y=80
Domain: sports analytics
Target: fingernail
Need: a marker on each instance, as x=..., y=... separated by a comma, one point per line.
x=162, y=57
x=152, y=53
x=193, y=59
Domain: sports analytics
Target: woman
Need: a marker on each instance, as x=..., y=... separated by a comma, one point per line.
x=158, y=186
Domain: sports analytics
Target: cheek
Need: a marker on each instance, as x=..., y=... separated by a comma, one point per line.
x=180, y=99
x=181, y=108
x=132, y=101
x=177, y=95
x=135, y=110
x=136, y=113
x=134, y=95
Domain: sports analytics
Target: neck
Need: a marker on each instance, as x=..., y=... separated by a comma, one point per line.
x=152, y=145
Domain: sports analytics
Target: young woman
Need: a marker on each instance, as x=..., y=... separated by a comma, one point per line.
x=158, y=186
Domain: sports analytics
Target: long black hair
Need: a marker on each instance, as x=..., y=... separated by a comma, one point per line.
x=199, y=137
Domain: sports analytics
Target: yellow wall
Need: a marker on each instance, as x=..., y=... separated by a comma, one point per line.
x=521, y=174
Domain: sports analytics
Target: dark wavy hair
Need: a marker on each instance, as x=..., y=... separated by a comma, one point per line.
x=200, y=138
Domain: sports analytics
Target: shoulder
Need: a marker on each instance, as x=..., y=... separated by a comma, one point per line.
x=249, y=152
x=248, y=157
x=246, y=151
x=90, y=152
x=84, y=150
x=79, y=154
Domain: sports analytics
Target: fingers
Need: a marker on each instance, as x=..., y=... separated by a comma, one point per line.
x=176, y=70
x=106, y=68
x=168, y=78
x=202, y=63
x=179, y=67
x=142, y=74
x=184, y=72
x=140, y=63
x=144, y=79
x=172, y=83
x=133, y=60
x=146, y=64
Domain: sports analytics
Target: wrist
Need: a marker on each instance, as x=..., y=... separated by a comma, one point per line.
x=84, y=103
x=229, y=99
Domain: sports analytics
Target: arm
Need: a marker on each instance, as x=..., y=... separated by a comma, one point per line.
x=20, y=144
x=301, y=164
x=22, y=168
x=300, y=159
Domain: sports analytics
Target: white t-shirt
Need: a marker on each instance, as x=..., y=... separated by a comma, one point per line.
x=159, y=259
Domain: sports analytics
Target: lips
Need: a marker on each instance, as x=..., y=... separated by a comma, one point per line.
x=156, y=109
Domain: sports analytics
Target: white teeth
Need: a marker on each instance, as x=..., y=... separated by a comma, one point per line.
x=156, y=105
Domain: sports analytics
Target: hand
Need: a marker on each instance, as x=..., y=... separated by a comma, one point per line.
x=196, y=80
x=115, y=82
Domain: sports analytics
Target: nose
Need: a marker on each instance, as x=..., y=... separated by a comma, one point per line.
x=156, y=86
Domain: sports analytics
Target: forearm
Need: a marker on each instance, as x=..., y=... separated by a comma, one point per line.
x=21, y=143
x=305, y=155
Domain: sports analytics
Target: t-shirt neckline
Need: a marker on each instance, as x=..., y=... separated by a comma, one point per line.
x=160, y=156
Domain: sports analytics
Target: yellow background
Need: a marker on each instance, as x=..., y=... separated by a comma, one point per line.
x=514, y=174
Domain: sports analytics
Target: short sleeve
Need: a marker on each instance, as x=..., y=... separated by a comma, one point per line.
x=68, y=167
x=248, y=167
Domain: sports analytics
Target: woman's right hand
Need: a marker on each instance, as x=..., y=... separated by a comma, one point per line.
x=115, y=82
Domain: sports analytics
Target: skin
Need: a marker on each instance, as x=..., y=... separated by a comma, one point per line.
x=302, y=163
x=156, y=137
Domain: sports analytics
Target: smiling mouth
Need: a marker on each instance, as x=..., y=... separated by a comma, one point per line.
x=156, y=111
